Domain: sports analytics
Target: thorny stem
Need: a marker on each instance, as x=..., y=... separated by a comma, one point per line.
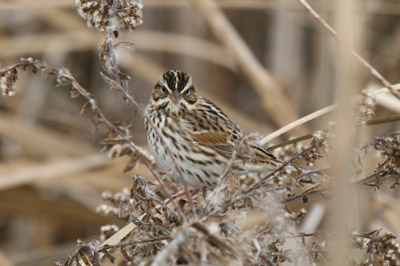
x=360, y=59
x=140, y=109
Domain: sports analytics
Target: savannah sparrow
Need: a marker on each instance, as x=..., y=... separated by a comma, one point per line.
x=200, y=136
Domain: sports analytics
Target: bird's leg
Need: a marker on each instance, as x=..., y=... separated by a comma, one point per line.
x=182, y=193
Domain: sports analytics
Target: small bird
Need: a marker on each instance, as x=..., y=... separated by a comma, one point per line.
x=199, y=135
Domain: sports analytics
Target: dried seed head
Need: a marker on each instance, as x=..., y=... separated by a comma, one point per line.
x=7, y=83
x=321, y=145
x=123, y=14
x=365, y=104
x=389, y=149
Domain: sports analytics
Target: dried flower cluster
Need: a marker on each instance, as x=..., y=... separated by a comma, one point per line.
x=365, y=104
x=319, y=146
x=380, y=248
x=389, y=149
x=225, y=234
x=107, y=231
x=7, y=83
x=119, y=14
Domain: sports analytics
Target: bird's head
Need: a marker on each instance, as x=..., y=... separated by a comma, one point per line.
x=174, y=92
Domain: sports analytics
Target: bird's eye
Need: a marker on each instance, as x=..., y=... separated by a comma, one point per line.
x=188, y=92
x=163, y=90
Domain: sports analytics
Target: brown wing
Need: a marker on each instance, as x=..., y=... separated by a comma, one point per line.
x=212, y=138
x=209, y=126
x=218, y=141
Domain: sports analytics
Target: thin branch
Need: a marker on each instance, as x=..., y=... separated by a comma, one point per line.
x=303, y=195
x=381, y=120
x=290, y=141
x=371, y=122
x=301, y=235
x=298, y=122
x=148, y=241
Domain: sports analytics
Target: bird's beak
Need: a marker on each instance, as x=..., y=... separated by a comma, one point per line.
x=175, y=95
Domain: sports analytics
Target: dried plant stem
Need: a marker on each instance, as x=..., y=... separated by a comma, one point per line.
x=121, y=88
x=64, y=77
x=298, y=122
x=315, y=115
x=381, y=120
x=360, y=59
x=375, y=174
x=291, y=141
x=330, y=108
x=371, y=122
x=163, y=255
x=135, y=242
x=305, y=195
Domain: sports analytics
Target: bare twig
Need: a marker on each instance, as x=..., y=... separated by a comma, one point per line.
x=304, y=195
x=298, y=122
x=148, y=241
x=290, y=141
x=371, y=122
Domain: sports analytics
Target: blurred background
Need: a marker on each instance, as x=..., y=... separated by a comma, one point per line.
x=52, y=173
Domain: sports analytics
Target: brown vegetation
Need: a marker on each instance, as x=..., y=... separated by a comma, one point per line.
x=343, y=209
